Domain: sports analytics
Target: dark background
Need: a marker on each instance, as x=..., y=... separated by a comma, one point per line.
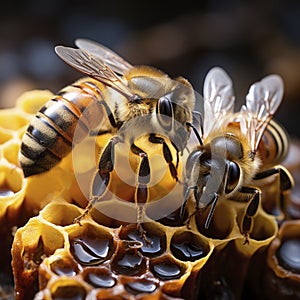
x=249, y=39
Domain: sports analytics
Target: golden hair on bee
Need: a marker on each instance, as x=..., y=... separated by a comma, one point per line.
x=233, y=147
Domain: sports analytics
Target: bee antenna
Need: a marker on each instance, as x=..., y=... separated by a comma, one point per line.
x=188, y=124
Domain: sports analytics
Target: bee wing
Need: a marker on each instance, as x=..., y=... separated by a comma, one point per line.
x=262, y=101
x=112, y=59
x=218, y=98
x=94, y=67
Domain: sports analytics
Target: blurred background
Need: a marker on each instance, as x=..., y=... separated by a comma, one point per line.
x=249, y=39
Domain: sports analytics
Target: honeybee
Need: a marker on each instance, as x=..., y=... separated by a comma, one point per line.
x=126, y=100
x=236, y=149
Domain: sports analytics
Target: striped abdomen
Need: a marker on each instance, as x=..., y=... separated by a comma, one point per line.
x=49, y=136
x=274, y=145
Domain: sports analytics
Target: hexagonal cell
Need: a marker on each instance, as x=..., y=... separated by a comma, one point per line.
x=12, y=120
x=105, y=213
x=128, y=260
x=32, y=243
x=31, y=101
x=188, y=246
x=142, y=286
x=222, y=222
x=99, y=277
x=67, y=289
x=156, y=244
x=11, y=180
x=11, y=151
x=265, y=227
x=282, y=272
x=287, y=250
x=91, y=244
x=12, y=193
x=288, y=255
x=47, y=187
x=5, y=136
x=167, y=268
x=64, y=267
x=60, y=213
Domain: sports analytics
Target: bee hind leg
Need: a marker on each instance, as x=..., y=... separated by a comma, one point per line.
x=141, y=193
x=254, y=200
x=102, y=177
x=286, y=183
x=167, y=154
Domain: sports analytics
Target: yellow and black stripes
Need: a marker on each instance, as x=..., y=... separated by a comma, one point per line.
x=49, y=136
x=274, y=145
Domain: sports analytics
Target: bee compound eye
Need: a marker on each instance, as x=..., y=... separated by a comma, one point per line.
x=233, y=176
x=164, y=110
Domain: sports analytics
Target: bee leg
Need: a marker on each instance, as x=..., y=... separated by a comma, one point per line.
x=184, y=203
x=141, y=194
x=247, y=222
x=286, y=183
x=111, y=119
x=188, y=124
x=166, y=152
x=102, y=177
x=211, y=211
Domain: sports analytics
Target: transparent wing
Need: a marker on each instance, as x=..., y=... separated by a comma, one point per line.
x=218, y=99
x=109, y=57
x=262, y=101
x=94, y=67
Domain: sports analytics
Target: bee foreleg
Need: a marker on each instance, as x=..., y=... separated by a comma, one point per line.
x=185, y=198
x=286, y=182
x=166, y=152
x=247, y=222
x=141, y=194
x=102, y=177
x=188, y=124
x=211, y=211
x=184, y=203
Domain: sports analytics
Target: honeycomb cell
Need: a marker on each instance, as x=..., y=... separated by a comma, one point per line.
x=128, y=260
x=222, y=223
x=91, y=245
x=47, y=187
x=32, y=244
x=99, y=277
x=155, y=236
x=12, y=192
x=12, y=120
x=105, y=213
x=30, y=102
x=68, y=289
x=141, y=286
x=5, y=136
x=11, y=152
x=166, y=268
x=55, y=213
x=264, y=227
x=288, y=255
x=64, y=267
x=282, y=274
x=187, y=246
x=263, y=231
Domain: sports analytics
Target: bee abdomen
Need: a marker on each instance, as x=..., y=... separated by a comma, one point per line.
x=274, y=145
x=50, y=134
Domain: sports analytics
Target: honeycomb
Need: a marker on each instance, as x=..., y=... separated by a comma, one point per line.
x=104, y=257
